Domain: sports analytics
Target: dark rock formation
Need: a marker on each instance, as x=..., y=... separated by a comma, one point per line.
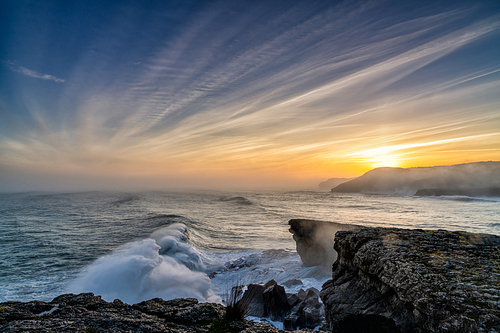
x=397, y=280
x=314, y=240
x=266, y=300
x=472, y=192
x=276, y=304
x=307, y=311
x=293, y=282
x=89, y=313
x=253, y=299
x=408, y=181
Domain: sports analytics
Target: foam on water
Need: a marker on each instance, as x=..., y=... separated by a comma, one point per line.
x=166, y=265
x=142, y=245
x=161, y=266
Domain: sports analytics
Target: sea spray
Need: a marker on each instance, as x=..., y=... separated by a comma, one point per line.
x=154, y=267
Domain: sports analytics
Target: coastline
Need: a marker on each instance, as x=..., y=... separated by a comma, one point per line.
x=384, y=279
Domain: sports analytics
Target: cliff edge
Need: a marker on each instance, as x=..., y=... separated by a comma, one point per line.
x=400, y=280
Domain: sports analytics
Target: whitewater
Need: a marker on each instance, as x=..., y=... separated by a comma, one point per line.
x=137, y=246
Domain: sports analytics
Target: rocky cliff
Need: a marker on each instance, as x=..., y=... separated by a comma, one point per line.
x=398, y=280
x=401, y=181
x=314, y=240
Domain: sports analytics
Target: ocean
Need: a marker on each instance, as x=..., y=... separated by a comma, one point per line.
x=137, y=246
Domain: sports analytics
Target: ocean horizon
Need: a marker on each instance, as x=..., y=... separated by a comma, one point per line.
x=142, y=245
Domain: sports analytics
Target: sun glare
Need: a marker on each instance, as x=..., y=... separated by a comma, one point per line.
x=379, y=157
x=384, y=161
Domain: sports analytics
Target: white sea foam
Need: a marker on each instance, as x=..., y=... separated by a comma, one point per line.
x=154, y=267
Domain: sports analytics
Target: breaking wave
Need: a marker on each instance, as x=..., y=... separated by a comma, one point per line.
x=164, y=265
x=237, y=200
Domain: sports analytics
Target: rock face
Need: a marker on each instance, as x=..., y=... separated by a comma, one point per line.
x=397, y=280
x=89, y=313
x=400, y=181
x=314, y=240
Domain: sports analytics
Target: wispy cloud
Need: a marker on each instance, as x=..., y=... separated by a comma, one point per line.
x=31, y=73
x=237, y=89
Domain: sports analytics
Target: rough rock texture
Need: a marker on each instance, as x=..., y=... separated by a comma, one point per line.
x=397, y=280
x=89, y=313
x=314, y=240
x=307, y=311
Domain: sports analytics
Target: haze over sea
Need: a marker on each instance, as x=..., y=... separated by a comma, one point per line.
x=137, y=246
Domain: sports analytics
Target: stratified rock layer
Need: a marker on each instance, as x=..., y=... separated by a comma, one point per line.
x=397, y=280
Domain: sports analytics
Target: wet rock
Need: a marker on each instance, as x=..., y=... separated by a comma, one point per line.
x=400, y=280
x=276, y=304
x=301, y=294
x=314, y=240
x=254, y=300
x=312, y=293
x=89, y=313
x=293, y=300
x=310, y=313
x=293, y=282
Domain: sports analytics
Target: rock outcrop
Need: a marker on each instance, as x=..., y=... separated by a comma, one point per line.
x=89, y=313
x=314, y=240
x=397, y=280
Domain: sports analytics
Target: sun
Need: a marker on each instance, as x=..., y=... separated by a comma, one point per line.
x=385, y=161
x=379, y=157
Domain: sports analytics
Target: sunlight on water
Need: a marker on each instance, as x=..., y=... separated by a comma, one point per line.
x=231, y=237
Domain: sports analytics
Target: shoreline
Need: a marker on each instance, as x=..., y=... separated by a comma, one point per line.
x=383, y=280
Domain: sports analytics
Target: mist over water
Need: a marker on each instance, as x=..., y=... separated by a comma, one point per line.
x=136, y=246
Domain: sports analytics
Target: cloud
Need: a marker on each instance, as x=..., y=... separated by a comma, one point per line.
x=31, y=73
x=274, y=90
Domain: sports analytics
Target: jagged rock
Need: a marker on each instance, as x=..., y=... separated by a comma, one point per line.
x=312, y=293
x=254, y=300
x=293, y=282
x=293, y=300
x=89, y=313
x=301, y=294
x=310, y=313
x=398, y=280
x=270, y=283
x=314, y=240
x=276, y=304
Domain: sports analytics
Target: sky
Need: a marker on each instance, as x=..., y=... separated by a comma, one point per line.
x=98, y=95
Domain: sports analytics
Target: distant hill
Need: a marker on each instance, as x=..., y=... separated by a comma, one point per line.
x=327, y=185
x=441, y=179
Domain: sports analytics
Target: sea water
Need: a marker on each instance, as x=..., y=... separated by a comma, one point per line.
x=137, y=246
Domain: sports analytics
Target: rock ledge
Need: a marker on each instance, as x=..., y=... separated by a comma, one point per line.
x=399, y=280
x=90, y=314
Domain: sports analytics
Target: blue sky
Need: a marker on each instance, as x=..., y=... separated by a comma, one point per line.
x=167, y=94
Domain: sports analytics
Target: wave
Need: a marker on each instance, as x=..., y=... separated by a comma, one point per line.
x=237, y=200
x=168, y=266
x=463, y=198
x=163, y=265
x=126, y=200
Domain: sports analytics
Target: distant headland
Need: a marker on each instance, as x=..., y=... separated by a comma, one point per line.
x=469, y=179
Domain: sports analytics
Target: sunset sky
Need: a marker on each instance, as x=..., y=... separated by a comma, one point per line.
x=242, y=94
